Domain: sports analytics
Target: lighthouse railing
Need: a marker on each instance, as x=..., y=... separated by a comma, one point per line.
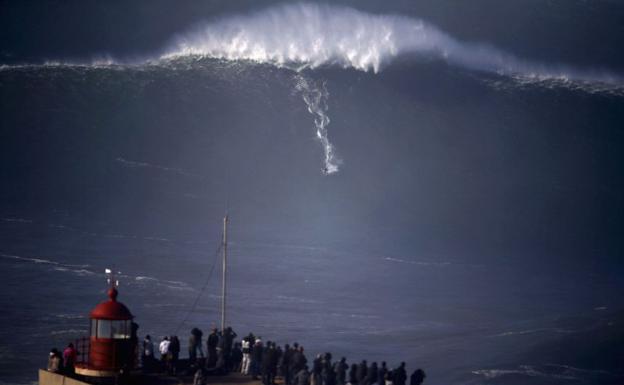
x=83, y=347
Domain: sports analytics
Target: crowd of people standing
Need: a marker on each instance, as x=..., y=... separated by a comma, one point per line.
x=269, y=361
x=253, y=357
x=266, y=361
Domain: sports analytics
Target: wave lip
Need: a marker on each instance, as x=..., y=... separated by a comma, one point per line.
x=301, y=35
x=304, y=35
x=312, y=35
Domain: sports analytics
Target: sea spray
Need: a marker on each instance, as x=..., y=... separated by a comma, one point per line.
x=313, y=35
x=307, y=35
x=315, y=95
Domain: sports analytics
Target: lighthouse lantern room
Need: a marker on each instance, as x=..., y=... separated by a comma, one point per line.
x=112, y=339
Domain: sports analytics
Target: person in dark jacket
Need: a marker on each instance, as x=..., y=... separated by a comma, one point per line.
x=340, y=368
x=195, y=344
x=302, y=377
x=274, y=361
x=269, y=364
x=381, y=374
x=236, y=357
x=212, y=342
x=399, y=376
x=256, y=359
x=174, y=350
x=328, y=375
x=285, y=364
x=417, y=377
x=228, y=341
x=147, y=358
x=362, y=371
x=299, y=359
x=372, y=375
x=315, y=376
x=353, y=374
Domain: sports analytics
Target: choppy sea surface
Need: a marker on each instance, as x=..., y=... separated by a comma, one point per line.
x=463, y=323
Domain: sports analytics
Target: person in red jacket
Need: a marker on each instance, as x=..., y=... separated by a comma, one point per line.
x=69, y=358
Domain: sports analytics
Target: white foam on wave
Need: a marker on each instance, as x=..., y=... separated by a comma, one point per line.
x=139, y=164
x=533, y=331
x=161, y=305
x=108, y=235
x=353, y=315
x=71, y=316
x=304, y=35
x=144, y=280
x=41, y=261
x=285, y=298
x=16, y=220
x=312, y=35
x=280, y=246
x=158, y=239
x=549, y=371
x=77, y=269
x=68, y=331
x=412, y=262
x=80, y=272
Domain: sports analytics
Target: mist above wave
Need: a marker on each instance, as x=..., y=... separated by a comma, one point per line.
x=301, y=34
x=313, y=35
x=304, y=35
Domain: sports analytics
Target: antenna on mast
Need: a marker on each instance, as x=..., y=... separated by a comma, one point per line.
x=112, y=282
x=110, y=277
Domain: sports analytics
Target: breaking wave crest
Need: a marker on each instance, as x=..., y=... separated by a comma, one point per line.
x=312, y=35
x=299, y=36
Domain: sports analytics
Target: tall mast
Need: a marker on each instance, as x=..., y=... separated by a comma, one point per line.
x=224, y=277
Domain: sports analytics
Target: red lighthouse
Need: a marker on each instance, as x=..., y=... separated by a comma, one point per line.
x=112, y=340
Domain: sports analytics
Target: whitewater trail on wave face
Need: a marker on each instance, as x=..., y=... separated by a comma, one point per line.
x=315, y=95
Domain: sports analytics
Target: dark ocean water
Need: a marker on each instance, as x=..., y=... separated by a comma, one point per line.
x=463, y=218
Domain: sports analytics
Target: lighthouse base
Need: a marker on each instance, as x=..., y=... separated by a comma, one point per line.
x=49, y=378
x=84, y=371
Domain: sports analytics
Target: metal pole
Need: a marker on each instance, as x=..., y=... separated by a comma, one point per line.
x=223, y=279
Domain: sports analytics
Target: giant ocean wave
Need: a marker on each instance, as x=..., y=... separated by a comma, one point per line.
x=304, y=35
